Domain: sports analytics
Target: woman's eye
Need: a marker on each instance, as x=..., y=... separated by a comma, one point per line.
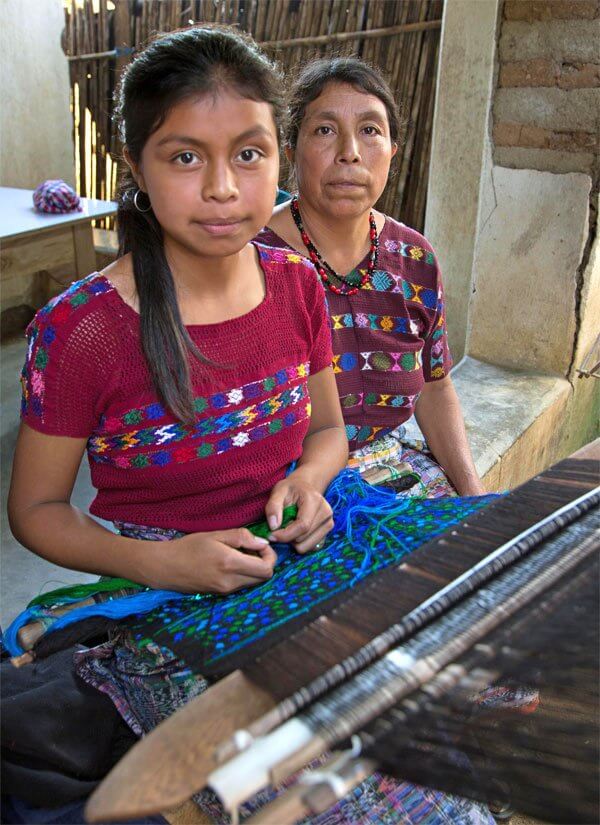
x=186, y=158
x=324, y=130
x=371, y=130
x=249, y=155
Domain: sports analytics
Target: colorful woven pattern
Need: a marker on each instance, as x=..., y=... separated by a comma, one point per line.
x=383, y=281
x=378, y=360
x=253, y=391
x=379, y=799
x=373, y=529
x=364, y=434
x=110, y=449
x=56, y=197
x=385, y=323
x=407, y=250
x=43, y=336
x=389, y=337
x=379, y=399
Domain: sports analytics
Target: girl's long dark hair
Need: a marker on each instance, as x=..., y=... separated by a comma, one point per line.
x=173, y=68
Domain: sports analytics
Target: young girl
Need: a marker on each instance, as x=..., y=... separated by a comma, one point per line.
x=187, y=370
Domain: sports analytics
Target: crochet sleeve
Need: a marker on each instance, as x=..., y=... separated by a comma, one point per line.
x=63, y=375
x=437, y=360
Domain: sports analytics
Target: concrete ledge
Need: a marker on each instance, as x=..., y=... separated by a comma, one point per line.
x=513, y=420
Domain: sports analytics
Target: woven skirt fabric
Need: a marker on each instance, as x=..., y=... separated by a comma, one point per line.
x=378, y=800
x=403, y=463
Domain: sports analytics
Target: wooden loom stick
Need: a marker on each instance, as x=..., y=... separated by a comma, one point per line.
x=30, y=633
x=140, y=784
x=226, y=707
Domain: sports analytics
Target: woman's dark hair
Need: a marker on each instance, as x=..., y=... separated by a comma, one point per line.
x=175, y=67
x=316, y=75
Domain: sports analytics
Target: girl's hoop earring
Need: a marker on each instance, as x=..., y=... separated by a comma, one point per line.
x=136, y=204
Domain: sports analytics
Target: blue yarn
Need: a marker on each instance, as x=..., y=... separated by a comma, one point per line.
x=349, y=497
x=115, y=609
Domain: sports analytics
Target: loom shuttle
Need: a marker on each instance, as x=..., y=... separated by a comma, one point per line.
x=167, y=766
x=245, y=774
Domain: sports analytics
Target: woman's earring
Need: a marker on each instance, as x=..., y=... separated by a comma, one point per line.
x=136, y=204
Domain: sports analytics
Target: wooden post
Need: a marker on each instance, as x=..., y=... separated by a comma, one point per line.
x=83, y=246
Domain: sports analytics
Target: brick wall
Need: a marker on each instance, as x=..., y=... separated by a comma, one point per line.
x=546, y=111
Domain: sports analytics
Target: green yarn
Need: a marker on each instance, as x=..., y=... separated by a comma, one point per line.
x=262, y=529
x=82, y=591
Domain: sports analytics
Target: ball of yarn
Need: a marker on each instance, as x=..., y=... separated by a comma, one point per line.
x=56, y=196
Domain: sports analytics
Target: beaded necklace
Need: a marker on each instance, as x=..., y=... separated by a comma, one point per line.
x=325, y=271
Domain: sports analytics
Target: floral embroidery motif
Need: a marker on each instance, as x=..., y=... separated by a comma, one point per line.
x=376, y=399
x=217, y=402
x=387, y=323
x=407, y=250
x=213, y=425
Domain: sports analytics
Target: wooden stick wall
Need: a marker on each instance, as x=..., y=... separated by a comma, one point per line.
x=400, y=36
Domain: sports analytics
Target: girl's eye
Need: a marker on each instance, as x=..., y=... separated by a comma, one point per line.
x=249, y=155
x=186, y=158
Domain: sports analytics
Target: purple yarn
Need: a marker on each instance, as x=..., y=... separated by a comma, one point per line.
x=56, y=196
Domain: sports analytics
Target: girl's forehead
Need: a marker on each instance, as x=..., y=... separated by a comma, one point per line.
x=219, y=111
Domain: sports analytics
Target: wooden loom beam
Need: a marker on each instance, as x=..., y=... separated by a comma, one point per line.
x=139, y=785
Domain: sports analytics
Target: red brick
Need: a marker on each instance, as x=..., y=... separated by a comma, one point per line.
x=507, y=134
x=534, y=137
x=538, y=72
x=529, y=136
x=545, y=72
x=579, y=75
x=572, y=141
x=530, y=11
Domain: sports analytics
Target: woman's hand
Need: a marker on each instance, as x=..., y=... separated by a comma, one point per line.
x=314, y=519
x=217, y=562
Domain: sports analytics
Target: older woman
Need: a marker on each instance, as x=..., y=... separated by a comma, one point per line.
x=381, y=278
x=391, y=357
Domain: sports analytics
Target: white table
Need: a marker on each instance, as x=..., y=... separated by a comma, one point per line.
x=34, y=243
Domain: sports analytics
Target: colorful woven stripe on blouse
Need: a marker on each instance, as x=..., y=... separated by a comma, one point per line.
x=232, y=429
x=390, y=337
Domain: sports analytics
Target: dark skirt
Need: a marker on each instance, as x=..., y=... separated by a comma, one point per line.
x=60, y=754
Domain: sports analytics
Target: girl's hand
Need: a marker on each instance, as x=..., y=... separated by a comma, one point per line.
x=217, y=562
x=314, y=519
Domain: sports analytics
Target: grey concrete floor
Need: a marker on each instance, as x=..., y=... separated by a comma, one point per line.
x=24, y=575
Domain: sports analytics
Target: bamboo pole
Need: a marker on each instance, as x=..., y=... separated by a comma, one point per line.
x=313, y=40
